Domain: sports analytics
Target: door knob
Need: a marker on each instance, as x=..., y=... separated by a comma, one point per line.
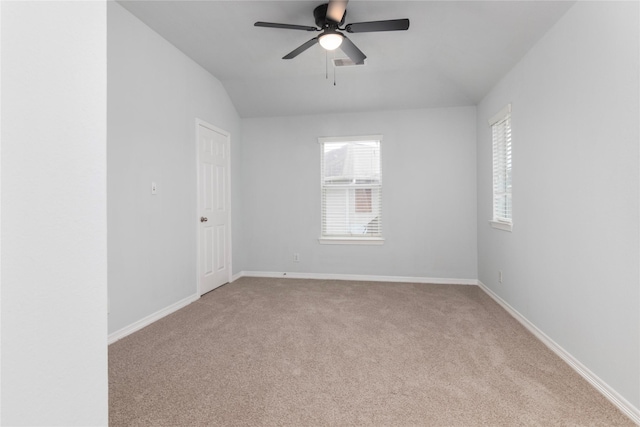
x=203, y=219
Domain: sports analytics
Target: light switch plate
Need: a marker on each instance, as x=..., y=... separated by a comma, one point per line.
x=154, y=188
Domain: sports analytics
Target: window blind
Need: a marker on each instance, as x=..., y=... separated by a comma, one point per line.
x=502, y=195
x=351, y=188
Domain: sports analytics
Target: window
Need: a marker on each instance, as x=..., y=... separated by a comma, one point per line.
x=351, y=190
x=501, y=135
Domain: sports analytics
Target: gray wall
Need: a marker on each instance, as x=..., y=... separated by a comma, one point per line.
x=54, y=225
x=429, y=194
x=155, y=93
x=571, y=264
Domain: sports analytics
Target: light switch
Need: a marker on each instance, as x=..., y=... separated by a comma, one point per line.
x=154, y=188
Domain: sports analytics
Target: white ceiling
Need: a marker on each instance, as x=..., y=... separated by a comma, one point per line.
x=453, y=53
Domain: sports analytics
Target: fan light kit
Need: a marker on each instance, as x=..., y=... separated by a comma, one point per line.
x=329, y=19
x=330, y=41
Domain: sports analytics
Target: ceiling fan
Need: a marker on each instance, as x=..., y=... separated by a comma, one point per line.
x=329, y=19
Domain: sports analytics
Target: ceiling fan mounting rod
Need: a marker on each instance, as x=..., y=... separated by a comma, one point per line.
x=323, y=21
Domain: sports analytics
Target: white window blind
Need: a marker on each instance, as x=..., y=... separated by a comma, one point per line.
x=351, y=187
x=501, y=135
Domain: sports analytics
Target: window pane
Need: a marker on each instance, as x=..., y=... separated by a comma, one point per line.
x=351, y=162
x=345, y=214
x=351, y=188
x=501, y=135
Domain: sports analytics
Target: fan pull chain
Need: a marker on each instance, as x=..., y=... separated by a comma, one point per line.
x=326, y=65
x=334, y=70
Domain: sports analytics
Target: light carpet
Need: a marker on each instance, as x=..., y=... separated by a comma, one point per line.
x=276, y=352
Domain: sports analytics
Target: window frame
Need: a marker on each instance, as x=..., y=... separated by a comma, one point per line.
x=351, y=239
x=498, y=221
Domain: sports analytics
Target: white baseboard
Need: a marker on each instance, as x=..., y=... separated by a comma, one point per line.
x=361, y=277
x=136, y=326
x=613, y=396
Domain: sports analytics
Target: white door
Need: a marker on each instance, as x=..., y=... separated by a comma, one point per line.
x=214, y=237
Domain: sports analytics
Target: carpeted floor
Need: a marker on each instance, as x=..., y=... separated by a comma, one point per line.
x=317, y=353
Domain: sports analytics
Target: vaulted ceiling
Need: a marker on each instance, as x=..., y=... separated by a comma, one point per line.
x=453, y=53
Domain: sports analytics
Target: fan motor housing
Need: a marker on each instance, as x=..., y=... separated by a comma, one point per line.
x=320, y=15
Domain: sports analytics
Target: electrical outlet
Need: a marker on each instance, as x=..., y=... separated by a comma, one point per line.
x=296, y=257
x=500, y=276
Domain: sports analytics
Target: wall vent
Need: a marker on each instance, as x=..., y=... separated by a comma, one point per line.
x=344, y=62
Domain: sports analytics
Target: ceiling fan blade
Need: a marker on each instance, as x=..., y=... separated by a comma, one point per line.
x=336, y=10
x=285, y=26
x=301, y=49
x=352, y=51
x=369, y=27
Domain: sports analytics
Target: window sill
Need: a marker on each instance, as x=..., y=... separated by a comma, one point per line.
x=506, y=226
x=351, y=240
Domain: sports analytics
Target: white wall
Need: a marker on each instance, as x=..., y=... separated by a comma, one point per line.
x=429, y=194
x=54, y=227
x=571, y=264
x=155, y=93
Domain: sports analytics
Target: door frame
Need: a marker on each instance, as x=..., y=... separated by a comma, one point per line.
x=199, y=123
